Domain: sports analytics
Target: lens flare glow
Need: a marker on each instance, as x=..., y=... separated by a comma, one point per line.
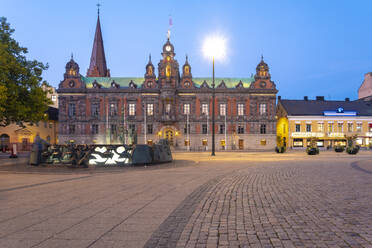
x=215, y=47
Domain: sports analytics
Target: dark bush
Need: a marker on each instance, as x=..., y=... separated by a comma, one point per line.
x=280, y=149
x=352, y=150
x=339, y=148
x=312, y=151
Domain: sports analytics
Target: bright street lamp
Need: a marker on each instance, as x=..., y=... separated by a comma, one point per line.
x=214, y=47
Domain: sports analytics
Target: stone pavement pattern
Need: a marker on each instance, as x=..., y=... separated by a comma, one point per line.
x=232, y=200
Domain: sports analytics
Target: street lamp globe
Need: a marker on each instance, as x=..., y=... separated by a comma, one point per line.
x=214, y=47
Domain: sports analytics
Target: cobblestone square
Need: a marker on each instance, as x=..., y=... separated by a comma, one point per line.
x=231, y=200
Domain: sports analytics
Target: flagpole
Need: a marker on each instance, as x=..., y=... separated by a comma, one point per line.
x=145, y=126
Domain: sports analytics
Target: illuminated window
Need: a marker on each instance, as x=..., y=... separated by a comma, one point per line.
x=223, y=109
x=263, y=129
x=350, y=127
x=204, y=142
x=240, y=109
x=298, y=128
x=262, y=108
x=132, y=109
x=50, y=124
x=205, y=108
x=168, y=71
x=308, y=127
x=340, y=127
x=150, y=109
x=263, y=142
x=320, y=127
x=330, y=127
x=167, y=108
x=186, y=109
x=54, y=98
x=359, y=127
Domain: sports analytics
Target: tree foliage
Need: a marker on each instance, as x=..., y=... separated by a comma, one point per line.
x=22, y=100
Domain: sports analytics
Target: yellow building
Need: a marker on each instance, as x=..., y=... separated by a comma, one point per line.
x=24, y=137
x=328, y=121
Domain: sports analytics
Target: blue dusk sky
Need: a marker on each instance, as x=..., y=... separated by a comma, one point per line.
x=312, y=47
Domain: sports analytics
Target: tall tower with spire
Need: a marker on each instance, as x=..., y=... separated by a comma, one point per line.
x=98, y=67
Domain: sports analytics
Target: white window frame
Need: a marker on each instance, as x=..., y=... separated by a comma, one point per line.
x=150, y=109
x=205, y=108
x=240, y=109
x=222, y=109
x=186, y=108
x=132, y=109
x=262, y=108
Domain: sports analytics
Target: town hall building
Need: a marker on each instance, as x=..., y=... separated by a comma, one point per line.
x=170, y=104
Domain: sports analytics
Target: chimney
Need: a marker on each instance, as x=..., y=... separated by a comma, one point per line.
x=347, y=99
x=306, y=98
x=320, y=98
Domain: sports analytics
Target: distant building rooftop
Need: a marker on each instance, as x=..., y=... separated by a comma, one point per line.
x=324, y=107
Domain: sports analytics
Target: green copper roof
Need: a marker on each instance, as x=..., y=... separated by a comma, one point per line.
x=229, y=82
x=106, y=81
x=124, y=81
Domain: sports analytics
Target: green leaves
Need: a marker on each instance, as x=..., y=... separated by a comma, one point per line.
x=22, y=100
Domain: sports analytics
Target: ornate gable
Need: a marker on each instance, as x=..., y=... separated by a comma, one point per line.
x=222, y=85
x=204, y=85
x=239, y=85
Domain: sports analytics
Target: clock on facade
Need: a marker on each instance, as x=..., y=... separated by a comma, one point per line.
x=71, y=84
x=187, y=84
x=262, y=84
x=168, y=48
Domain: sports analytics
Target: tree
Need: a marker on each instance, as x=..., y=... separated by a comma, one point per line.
x=22, y=100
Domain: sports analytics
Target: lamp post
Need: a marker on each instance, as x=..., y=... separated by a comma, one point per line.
x=213, y=110
x=214, y=48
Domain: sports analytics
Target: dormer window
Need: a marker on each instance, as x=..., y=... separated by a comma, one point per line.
x=149, y=84
x=72, y=72
x=114, y=85
x=132, y=84
x=168, y=71
x=187, y=84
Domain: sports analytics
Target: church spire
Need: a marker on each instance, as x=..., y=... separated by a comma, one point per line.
x=97, y=67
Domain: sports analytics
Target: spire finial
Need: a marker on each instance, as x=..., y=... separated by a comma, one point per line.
x=72, y=56
x=150, y=57
x=98, y=5
x=170, y=26
x=261, y=57
x=187, y=58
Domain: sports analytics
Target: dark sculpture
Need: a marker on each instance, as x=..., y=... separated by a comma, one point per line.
x=99, y=155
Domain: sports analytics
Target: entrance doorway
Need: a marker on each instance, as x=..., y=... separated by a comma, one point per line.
x=241, y=144
x=4, y=142
x=169, y=136
x=25, y=144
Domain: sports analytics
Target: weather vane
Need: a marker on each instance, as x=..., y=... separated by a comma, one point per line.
x=98, y=5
